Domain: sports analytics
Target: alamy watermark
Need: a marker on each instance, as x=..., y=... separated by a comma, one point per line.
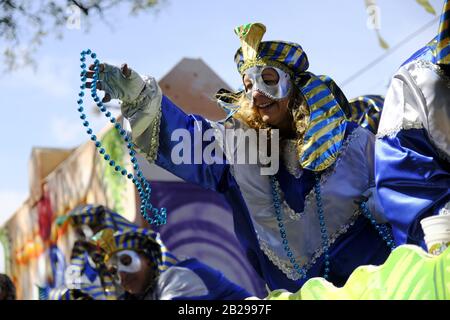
x=232, y=146
x=73, y=277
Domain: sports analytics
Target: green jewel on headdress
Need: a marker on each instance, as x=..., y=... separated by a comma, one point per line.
x=250, y=35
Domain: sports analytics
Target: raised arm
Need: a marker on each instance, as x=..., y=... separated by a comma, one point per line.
x=162, y=132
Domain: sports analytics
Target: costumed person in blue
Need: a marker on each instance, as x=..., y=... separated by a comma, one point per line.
x=135, y=257
x=86, y=276
x=413, y=141
x=303, y=220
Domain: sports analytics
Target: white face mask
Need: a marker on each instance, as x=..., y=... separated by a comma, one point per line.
x=126, y=261
x=277, y=91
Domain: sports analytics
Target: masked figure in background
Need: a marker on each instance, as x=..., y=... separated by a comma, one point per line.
x=303, y=220
x=135, y=257
x=413, y=145
x=87, y=275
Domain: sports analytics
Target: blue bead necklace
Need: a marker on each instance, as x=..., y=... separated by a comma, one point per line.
x=383, y=230
x=324, y=235
x=152, y=215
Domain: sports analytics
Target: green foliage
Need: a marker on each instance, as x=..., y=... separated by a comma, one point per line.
x=114, y=182
x=24, y=24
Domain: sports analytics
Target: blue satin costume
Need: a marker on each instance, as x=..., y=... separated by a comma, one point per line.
x=412, y=171
x=360, y=245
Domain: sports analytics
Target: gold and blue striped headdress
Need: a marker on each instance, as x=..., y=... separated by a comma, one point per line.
x=327, y=123
x=99, y=215
x=366, y=111
x=139, y=239
x=437, y=51
x=443, y=38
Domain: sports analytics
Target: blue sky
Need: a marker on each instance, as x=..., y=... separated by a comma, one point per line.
x=39, y=108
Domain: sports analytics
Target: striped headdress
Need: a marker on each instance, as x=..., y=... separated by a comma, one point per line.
x=109, y=220
x=327, y=124
x=139, y=239
x=287, y=56
x=79, y=262
x=99, y=215
x=443, y=37
x=366, y=111
x=437, y=51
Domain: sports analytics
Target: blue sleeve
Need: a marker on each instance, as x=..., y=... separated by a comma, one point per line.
x=211, y=176
x=413, y=182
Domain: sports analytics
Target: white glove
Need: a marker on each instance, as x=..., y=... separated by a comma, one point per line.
x=120, y=83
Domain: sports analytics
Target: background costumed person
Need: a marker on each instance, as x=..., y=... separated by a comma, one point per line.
x=303, y=221
x=88, y=277
x=135, y=257
x=413, y=146
x=413, y=181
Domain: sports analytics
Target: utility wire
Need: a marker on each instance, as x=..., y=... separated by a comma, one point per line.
x=389, y=52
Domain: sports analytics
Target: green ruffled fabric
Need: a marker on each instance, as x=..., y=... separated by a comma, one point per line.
x=408, y=274
x=113, y=181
